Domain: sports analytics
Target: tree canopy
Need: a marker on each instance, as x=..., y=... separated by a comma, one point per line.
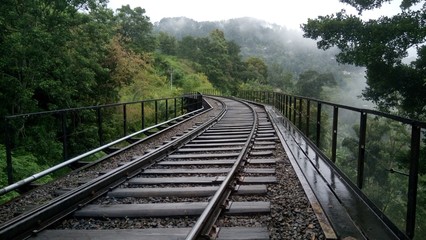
x=380, y=45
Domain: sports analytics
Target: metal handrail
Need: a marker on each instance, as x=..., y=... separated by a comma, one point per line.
x=25, y=224
x=291, y=107
x=39, y=175
x=189, y=105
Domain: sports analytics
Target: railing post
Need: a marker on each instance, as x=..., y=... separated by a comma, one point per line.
x=181, y=105
x=334, y=136
x=318, y=136
x=8, y=142
x=280, y=105
x=361, y=149
x=99, y=122
x=167, y=109
x=156, y=112
x=289, y=108
x=64, y=138
x=300, y=113
x=413, y=181
x=175, y=107
x=143, y=114
x=286, y=105
x=124, y=120
x=294, y=110
x=199, y=101
x=308, y=116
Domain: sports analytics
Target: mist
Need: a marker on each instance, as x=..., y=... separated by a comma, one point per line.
x=278, y=46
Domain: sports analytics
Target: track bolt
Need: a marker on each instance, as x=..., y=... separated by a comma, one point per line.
x=213, y=232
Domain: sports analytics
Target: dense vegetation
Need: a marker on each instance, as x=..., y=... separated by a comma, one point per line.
x=66, y=54
x=394, y=86
x=380, y=45
x=62, y=54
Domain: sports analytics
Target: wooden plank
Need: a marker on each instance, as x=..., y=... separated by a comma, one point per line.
x=176, y=180
x=261, y=153
x=186, y=171
x=232, y=125
x=183, y=191
x=221, y=133
x=199, y=162
x=260, y=170
x=225, y=233
x=266, y=138
x=242, y=129
x=143, y=210
x=210, y=149
x=198, y=180
x=266, y=131
x=216, y=145
x=209, y=155
x=246, y=233
x=264, y=147
x=222, y=136
x=240, y=208
x=263, y=161
x=114, y=234
x=163, y=192
x=167, y=209
x=220, y=140
x=265, y=135
x=250, y=189
x=267, y=179
x=256, y=142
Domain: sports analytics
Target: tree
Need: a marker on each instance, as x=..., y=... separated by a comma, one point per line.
x=257, y=70
x=135, y=28
x=380, y=45
x=310, y=83
x=216, y=57
x=167, y=43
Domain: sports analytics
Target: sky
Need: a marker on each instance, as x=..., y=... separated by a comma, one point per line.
x=288, y=13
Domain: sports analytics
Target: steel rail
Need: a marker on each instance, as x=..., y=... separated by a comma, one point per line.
x=202, y=225
x=39, y=218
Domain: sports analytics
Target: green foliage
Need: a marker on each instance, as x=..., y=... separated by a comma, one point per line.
x=24, y=165
x=167, y=44
x=135, y=29
x=218, y=59
x=311, y=83
x=387, y=148
x=256, y=70
x=380, y=45
x=253, y=85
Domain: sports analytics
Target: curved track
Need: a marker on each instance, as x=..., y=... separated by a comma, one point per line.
x=199, y=185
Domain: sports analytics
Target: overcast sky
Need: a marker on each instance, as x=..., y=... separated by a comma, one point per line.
x=289, y=13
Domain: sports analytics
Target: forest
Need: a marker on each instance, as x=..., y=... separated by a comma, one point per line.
x=66, y=54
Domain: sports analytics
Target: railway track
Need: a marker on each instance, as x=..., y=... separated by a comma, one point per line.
x=214, y=182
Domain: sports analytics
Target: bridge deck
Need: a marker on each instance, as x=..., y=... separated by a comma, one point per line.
x=327, y=188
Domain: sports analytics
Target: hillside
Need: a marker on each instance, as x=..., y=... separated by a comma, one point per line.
x=286, y=53
x=274, y=43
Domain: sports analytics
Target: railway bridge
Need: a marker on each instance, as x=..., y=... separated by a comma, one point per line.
x=257, y=165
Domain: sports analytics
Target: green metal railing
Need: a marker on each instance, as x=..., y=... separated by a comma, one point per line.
x=98, y=125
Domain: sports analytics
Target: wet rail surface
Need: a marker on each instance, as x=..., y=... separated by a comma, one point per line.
x=212, y=185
